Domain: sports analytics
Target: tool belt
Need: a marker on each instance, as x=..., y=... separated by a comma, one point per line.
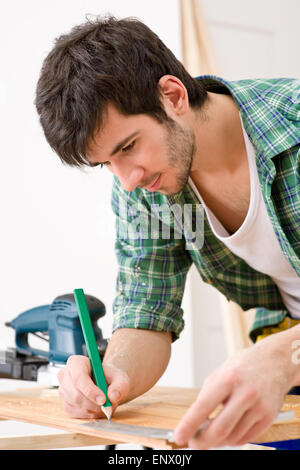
x=285, y=324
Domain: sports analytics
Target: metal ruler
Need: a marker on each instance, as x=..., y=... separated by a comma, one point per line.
x=123, y=428
x=157, y=433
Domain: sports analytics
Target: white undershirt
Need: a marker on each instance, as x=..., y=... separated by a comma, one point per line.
x=255, y=241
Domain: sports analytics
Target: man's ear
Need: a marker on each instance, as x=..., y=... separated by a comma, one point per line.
x=173, y=94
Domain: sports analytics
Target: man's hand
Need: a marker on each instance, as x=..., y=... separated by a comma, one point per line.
x=134, y=360
x=250, y=386
x=81, y=398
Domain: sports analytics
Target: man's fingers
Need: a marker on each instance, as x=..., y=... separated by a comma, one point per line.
x=74, y=396
x=225, y=423
x=258, y=428
x=250, y=418
x=80, y=376
x=79, y=406
x=80, y=395
x=208, y=399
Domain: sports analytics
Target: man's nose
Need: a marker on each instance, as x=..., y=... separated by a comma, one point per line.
x=129, y=177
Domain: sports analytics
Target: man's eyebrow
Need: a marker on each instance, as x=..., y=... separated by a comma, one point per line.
x=122, y=143
x=117, y=147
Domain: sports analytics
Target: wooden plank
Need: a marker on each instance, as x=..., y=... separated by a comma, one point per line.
x=160, y=407
x=50, y=441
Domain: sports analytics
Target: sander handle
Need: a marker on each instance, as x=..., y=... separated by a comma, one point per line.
x=33, y=320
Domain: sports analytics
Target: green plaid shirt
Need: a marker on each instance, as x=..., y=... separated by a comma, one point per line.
x=152, y=270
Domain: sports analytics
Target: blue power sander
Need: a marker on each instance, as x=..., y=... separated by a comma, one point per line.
x=58, y=324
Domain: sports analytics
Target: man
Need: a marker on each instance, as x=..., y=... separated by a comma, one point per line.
x=111, y=94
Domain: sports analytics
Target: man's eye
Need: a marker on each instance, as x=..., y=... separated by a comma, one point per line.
x=128, y=147
x=103, y=164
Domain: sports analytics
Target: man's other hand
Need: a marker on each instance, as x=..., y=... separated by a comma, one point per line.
x=249, y=388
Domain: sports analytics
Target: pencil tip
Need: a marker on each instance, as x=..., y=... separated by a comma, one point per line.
x=107, y=410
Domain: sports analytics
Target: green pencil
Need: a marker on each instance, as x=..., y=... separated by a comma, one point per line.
x=92, y=348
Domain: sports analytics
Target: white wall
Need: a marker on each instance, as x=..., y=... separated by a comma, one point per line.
x=57, y=229
x=254, y=39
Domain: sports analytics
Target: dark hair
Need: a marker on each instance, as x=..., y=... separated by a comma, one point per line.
x=107, y=60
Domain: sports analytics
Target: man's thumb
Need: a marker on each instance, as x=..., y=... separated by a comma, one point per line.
x=114, y=395
x=118, y=384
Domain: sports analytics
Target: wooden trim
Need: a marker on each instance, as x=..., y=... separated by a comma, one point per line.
x=51, y=441
x=197, y=51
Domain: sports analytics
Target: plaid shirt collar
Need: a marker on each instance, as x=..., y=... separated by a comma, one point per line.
x=269, y=130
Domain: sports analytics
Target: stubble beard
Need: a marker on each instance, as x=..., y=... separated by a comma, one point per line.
x=181, y=148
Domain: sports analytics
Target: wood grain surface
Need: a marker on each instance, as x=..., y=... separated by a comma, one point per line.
x=161, y=407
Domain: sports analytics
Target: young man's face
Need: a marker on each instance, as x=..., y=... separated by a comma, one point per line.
x=143, y=153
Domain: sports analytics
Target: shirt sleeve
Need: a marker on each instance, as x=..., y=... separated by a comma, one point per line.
x=152, y=267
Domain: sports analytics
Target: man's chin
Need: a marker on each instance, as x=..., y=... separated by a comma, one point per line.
x=172, y=193
x=181, y=184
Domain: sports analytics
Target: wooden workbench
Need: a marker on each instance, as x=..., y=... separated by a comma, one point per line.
x=160, y=407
